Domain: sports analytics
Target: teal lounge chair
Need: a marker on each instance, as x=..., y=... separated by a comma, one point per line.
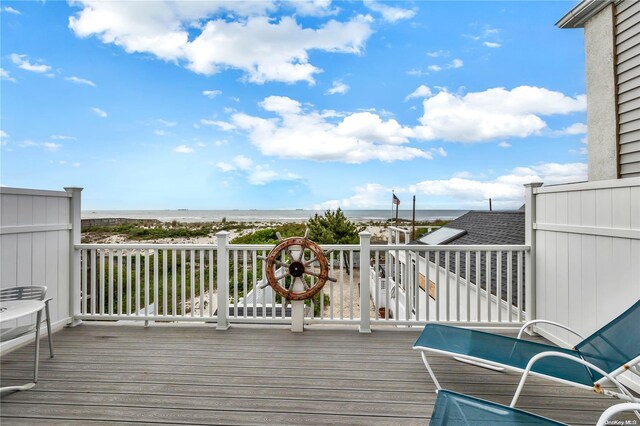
x=595, y=361
x=456, y=409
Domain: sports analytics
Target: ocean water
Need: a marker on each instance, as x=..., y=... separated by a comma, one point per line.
x=266, y=215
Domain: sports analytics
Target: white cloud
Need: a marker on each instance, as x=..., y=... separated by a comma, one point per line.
x=3, y=137
x=211, y=93
x=338, y=88
x=99, y=112
x=256, y=174
x=183, y=149
x=160, y=132
x=63, y=138
x=51, y=146
x=494, y=113
x=313, y=7
x=76, y=164
x=4, y=75
x=223, y=125
x=166, y=123
x=574, y=129
x=491, y=44
x=438, y=53
x=389, y=13
x=22, y=62
x=264, y=49
x=461, y=191
x=9, y=9
x=421, y=92
x=504, y=144
x=79, y=80
x=358, y=137
x=455, y=63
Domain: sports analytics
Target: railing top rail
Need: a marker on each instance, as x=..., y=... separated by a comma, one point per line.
x=424, y=247
x=127, y=246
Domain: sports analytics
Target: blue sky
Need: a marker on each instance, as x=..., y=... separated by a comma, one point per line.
x=315, y=104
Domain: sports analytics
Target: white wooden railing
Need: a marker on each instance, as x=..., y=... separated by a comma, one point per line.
x=221, y=284
x=415, y=284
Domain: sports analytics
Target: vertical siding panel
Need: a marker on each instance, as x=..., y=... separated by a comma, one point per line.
x=38, y=263
x=9, y=210
x=541, y=282
x=562, y=283
x=588, y=322
x=574, y=211
x=39, y=210
x=575, y=283
x=63, y=286
x=51, y=269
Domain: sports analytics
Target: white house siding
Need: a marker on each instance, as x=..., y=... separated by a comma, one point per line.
x=587, y=254
x=34, y=245
x=627, y=44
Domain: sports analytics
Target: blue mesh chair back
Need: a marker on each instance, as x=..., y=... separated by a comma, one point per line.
x=615, y=344
x=454, y=408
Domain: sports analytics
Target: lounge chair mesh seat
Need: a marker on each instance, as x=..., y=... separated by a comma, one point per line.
x=503, y=350
x=614, y=348
x=453, y=408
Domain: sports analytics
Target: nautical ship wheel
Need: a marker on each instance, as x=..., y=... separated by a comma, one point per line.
x=293, y=268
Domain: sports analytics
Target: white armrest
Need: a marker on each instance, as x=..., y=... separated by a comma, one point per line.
x=532, y=322
x=625, y=394
x=615, y=409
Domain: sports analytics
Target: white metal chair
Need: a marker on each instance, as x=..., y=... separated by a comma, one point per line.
x=27, y=293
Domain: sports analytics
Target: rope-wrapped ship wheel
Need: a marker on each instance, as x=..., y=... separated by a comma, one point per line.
x=294, y=266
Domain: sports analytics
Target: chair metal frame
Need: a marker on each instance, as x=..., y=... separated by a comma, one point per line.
x=34, y=292
x=607, y=378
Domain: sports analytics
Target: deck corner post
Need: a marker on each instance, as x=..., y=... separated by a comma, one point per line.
x=75, y=233
x=222, y=239
x=365, y=278
x=530, y=254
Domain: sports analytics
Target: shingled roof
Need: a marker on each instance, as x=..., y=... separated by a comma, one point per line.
x=485, y=228
x=488, y=228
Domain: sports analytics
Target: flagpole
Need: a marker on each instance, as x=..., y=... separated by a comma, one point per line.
x=392, y=203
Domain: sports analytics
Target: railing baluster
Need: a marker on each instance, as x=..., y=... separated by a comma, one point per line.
x=268, y=288
x=488, y=283
x=509, y=285
x=94, y=272
x=499, y=285
x=137, y=282
x=447, y=283
x=467, y=271
x=351, y=283
x=128, y=282
x=211, y=290
x=254, y=280
x=235, y=283
x=192, y=281
x=427, y=284
x=146, y=282
x=120, y=295
x=341, y=281
x=156, y=267
x=457, y=269
x=183, y=282
x=332, y=300
x=102, y=284
x=520, y=290
x=202, y=284
x=415, y=297
x=407, y=285
x=437, y=290
x=83, y=257
x=165, y=288
x=110, y=310
x=245, y=271
x=478, y=285
x=174, y=282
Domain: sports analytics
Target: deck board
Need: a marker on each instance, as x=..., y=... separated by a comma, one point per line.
x=198, y=375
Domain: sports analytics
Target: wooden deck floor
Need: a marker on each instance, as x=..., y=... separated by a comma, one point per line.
x=197, y=375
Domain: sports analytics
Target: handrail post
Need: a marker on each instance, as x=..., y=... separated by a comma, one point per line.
x=530, y=255
x=75, y=219
x=222, y=238
x=365, y=279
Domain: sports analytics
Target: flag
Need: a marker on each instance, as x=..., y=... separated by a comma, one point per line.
x=396, y=200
